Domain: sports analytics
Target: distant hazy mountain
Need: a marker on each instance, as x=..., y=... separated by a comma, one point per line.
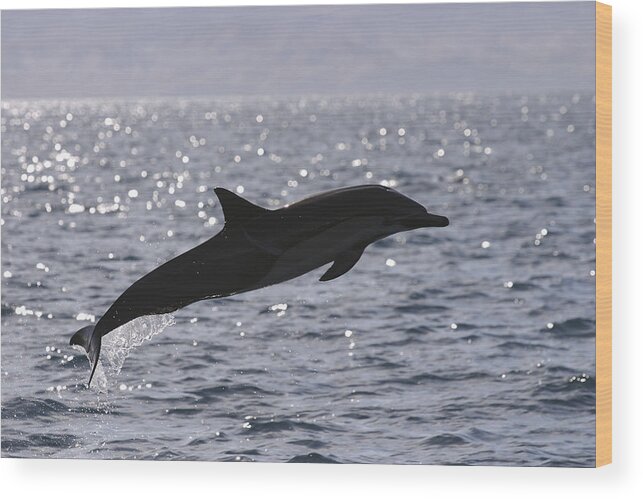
x=297, y=50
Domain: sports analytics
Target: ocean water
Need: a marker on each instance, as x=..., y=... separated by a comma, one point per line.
x=471, y=344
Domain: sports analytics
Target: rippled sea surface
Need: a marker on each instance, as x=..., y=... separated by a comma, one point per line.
x=472, y=344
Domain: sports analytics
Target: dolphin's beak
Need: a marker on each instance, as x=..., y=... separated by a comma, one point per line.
x=427, y=220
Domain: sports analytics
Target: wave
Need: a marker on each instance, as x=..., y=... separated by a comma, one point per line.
x=25, y=408
x=214, y=393
x=420, y=379
x=29, y=408
x=283, y=425
x=577, y=327
x=313, y=457
x=39, y=441
x=420, y=309
x=444, y=439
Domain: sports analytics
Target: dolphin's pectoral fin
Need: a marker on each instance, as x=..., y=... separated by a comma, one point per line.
x=343, y=263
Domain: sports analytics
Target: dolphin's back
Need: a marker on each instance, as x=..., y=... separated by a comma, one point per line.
x=276, y=231
x=342, y=203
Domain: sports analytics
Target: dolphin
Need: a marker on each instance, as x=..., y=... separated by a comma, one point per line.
x=258, y=247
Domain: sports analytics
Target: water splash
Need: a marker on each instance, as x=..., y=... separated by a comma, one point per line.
x=118, y=344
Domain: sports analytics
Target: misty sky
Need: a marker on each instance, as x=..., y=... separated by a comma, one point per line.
x=297, y=50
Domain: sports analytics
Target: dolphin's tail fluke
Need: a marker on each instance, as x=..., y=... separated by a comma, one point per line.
x=90, y=340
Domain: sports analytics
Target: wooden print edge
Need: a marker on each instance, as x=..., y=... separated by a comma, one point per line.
x=603, y=234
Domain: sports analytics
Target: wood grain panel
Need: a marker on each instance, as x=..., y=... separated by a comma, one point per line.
x=603, y=234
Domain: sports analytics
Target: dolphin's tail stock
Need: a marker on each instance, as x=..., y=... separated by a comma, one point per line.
x=90, y=340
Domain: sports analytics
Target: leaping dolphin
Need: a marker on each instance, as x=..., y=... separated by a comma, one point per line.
x=258, y=247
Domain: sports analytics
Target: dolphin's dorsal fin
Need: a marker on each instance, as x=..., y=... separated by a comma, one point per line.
x=236, y=209
x=343, y=263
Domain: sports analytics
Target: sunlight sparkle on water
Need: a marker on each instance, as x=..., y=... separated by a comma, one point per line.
x=76, y=208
